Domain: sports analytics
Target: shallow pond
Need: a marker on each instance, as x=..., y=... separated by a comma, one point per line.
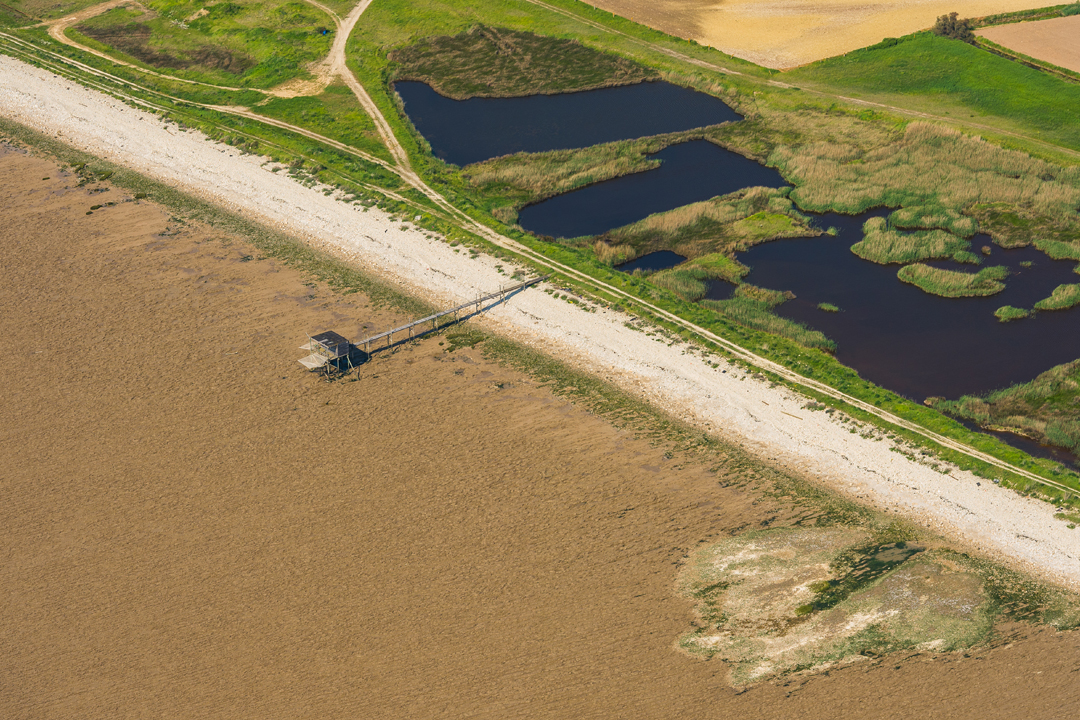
x=659, y=260
x=689, y=172
x=913, y=343
x=467, y=131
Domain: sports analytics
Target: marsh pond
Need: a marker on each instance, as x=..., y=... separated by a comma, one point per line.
x=893, y=333
x=468, y=131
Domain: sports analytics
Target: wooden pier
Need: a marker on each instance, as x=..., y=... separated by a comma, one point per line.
x=475, y=306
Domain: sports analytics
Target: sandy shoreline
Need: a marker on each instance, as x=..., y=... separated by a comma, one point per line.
x=769, y=421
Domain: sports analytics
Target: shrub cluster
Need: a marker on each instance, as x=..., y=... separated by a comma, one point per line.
x=952, y=26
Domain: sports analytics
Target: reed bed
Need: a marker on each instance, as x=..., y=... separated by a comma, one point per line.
x=496, y=62
x=757, y=315
x=928, y=217
x=530, y=177
x=726, y=224
x=1064, y=296
x=1008, y=313
x=884, y=245
x=613, y=254
x=933, y=166
x=1059, y=250
x=1047, y=409
x=690, y=280
x=951, y=283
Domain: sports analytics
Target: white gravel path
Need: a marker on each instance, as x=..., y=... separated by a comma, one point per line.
x=769, y=421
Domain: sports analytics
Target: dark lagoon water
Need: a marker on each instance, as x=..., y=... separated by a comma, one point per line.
x=659, y=260
x=689, y=172
x=467, y=131
x=913, y=343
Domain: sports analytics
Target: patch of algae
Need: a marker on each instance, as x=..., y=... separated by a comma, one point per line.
x=785, y=600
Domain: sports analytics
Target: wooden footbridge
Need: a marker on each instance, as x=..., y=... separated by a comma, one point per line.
x=474, y=306
x=327, y=348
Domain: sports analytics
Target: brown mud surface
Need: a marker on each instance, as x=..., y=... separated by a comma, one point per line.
x=194, y=527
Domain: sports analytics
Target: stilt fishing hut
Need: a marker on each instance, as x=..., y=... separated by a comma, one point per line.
x=328, y=350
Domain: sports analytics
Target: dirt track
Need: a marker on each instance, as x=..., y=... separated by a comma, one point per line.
x=195, y=528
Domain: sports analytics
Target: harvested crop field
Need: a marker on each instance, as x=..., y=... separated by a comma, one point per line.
x=787, y=33
x=1056, y=41
x=197, y=528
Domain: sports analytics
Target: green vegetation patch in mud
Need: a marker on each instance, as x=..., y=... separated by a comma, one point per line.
x=783, y=600
x=952, y=283
x=1047, y=409
x=884, y=245
x=496, y=62
x=240, y=42
x=1064, y=296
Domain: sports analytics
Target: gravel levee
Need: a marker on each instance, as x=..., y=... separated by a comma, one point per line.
x=769, y=421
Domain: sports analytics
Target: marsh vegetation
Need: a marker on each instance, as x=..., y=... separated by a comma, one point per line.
x=884, y=245
x=497, y=62
x=952, y=283
x=1047, y=409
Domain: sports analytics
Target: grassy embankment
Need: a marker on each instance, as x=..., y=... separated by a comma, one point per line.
x=334, y=113
x=952, y=283
x=1047, y=13
x=1016, y=16
x=776, y=117
x=951, y=78
x=237, y=43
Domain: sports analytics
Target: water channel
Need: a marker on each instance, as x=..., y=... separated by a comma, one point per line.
x=467, y=131
x=689, y=172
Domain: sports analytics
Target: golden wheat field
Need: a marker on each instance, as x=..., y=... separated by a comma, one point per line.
x=787, y=33
x=1056, y=41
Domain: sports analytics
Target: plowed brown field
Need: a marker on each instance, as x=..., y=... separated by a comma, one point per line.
x=193, y=527
x=1056, y=41
x=787, y=33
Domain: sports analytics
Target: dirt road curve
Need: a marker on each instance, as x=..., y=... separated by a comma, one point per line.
x=770, y=421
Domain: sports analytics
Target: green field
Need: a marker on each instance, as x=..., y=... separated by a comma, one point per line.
x=944, y=74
